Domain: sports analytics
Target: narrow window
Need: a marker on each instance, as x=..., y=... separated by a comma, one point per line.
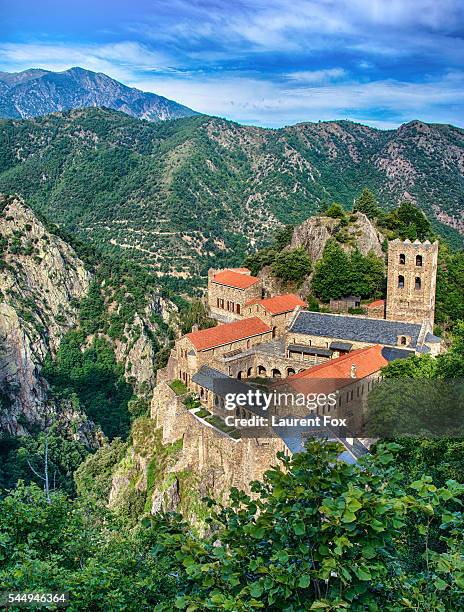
x=402, y=259
x=238, y=308
x=218, y=302
x=400, y=281
x=419, y=260
x=418, y=283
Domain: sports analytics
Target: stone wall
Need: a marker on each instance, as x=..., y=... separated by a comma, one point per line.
x=189, y=360
x=411, y=283
x=219, y=461
x=229, y=298
x=278, y=322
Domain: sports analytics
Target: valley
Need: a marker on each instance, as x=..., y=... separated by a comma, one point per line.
x=188, y=194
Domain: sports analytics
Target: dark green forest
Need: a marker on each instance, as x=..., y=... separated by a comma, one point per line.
x=189, y=193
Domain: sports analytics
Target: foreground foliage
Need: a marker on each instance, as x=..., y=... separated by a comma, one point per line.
x=318, y=534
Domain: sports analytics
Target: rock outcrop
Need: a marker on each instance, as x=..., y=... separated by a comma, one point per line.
x=313, y=234
x=138, y=351
x=176, y=459
x=41, y=283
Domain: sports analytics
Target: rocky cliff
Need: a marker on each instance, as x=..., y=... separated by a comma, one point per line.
x=360, y=233
x=175, y=460
x=41, y=283
x=141, y=339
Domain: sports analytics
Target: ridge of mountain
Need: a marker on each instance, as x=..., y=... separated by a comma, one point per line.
x=36, y=92
x=183, y=195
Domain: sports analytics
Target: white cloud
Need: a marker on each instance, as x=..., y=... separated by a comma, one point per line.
x=118, y=60
x=317, y=76
x=270, y=103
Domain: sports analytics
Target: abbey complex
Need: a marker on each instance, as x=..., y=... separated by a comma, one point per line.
x=261, y=336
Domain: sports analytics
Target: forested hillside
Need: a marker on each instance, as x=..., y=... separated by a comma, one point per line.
x=185, y=194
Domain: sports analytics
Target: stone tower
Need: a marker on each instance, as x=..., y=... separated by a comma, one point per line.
x=412, y=276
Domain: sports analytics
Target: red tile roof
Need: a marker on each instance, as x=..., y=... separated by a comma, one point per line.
x=367, y=361
x=227, y=333
x=231, y=278
x=240, y=270
x=279, y=303
x=376, y=304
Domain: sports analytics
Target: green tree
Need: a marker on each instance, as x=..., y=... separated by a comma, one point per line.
x=92, y=311
x=450, y=287
x=93, y=380
x=257, y=261
x=408, y=221
x=323, y=534
x=367, y=204
x=367, y=274
x=331, y=277
x=293, y=265
x=194, y=313
x=283, y=237
x=338, y=274
x=23, y=459
x=336, y=211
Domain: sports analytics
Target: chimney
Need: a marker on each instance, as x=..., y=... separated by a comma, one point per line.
x=353, y=370
x=195, y=327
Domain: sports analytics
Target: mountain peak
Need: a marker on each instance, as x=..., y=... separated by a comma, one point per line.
x=36, y=92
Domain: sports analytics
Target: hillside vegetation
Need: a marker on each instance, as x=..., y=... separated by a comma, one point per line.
x=194, y=192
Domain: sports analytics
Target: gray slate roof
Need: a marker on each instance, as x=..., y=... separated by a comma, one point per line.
x=310, y=350
x=340, y=346
x=391, y=353
x=431, y=339
x=346, y=327
x=206, y=376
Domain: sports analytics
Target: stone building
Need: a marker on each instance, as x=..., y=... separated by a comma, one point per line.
x=411, y=282
x=351, y=376
x=275, y=311
x=322, y=330
x=207, y=346
x=376, y=309
x=344, y=304
x=229, y=290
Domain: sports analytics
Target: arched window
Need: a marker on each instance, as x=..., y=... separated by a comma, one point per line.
x=402, y=259
x=403, y=340
x=419, y=260
x=400, y=281
x=418, y=283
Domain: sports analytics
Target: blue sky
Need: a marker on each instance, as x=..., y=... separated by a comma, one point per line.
x=269, y=63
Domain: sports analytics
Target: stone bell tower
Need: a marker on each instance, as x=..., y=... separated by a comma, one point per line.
x=411, y=283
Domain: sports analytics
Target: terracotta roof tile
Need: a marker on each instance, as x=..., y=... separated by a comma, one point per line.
x=240, y=270
x=228, y=332
x=367, y=361
x=231, y=278
x=376, y=304
x=279, y=303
